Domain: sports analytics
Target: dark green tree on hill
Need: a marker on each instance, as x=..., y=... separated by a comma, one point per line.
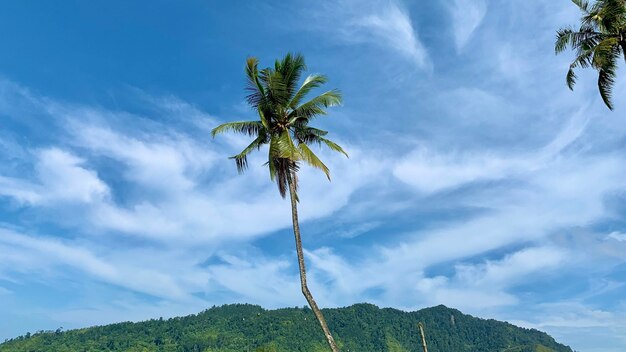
x=237, y=328
x=284, y=117
x=599, y=42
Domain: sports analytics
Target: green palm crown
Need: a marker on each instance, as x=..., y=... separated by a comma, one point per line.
x=284, y=117
x=599, y=42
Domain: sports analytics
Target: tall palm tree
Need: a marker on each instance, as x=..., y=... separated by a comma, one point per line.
x=599, y=42
x=283, y=124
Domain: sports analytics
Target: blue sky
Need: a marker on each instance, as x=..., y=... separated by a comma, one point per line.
x=476, y=179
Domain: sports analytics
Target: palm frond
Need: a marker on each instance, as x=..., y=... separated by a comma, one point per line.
x=583, y=60
x=571, y=78
x=334, y=146
x=310, y=83
x=308, y=135
x=563, y=39
x=598, y=43
x=316, y=106
x=606, y=77
x=254, y=87
x=606, y=80
x=315, y=131
x=603, y=53
x=241, y=159
x=613, y=16
x=277, y=92
x=326, y=99
x=291, y=68
x=250, y=128
x=310, y=158
x=282, y=147
x=583, y=5
x=271, y=163
x=264, y=120
x=567, y=37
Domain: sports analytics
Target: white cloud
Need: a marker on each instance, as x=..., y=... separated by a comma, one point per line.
x=390, y=25
x=269, y=282
x=358, y=229
x=543, y=196
x=40, y=255
x=467, y=15
x=466, y=298
x=575, y=315
x=176, y=110
x=510, y=63
x=544, y=200
x=513, y=268
x=171, y=186
x=429, y=171
x=383, y=23
x=618, y=236
x=22, y=191
x=471, y=288
x=60, y=178
x=160, y=165
x=187, y=211
x=63, y=177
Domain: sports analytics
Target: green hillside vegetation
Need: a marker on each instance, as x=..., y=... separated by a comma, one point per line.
x=359, y=328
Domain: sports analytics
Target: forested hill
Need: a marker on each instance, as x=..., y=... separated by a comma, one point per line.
x=359, y=328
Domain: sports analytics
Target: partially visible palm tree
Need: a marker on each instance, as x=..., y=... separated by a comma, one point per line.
x=283, y=124
x=599, y=42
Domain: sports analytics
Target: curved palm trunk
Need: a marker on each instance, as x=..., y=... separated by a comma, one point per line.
x=303, y=284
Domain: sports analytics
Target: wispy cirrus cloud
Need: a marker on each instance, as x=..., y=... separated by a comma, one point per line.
x=164, y=177
x=44, y=256
x=512, y=268
x=429, y=171
x=385, y=24
x=467, y=15
x=618, y=236
x=155, y=189
x=60, y=177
